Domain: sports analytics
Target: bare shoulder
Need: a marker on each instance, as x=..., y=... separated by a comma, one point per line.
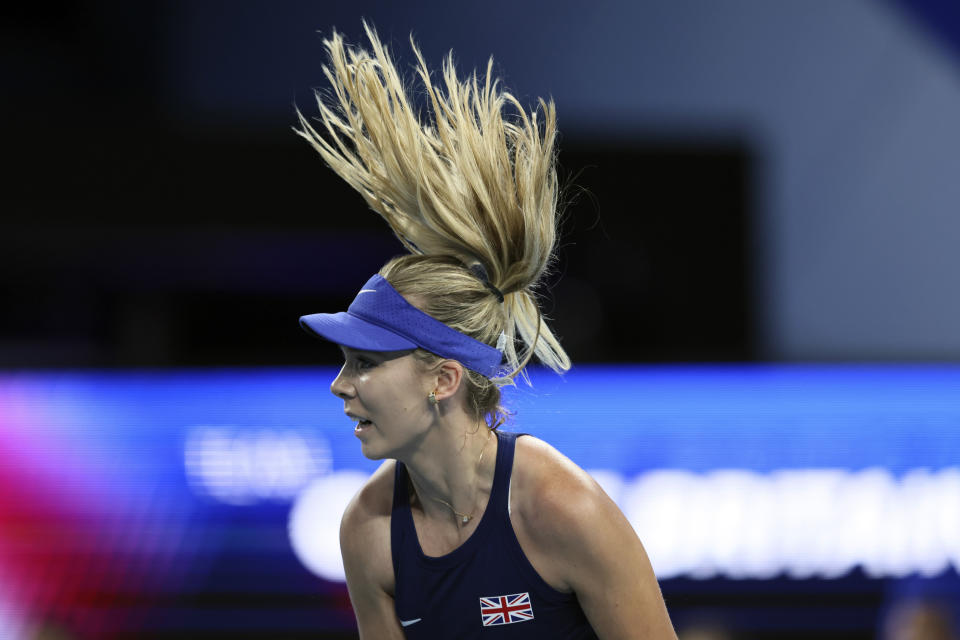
x=535, y=460
x=552, y=496
x=375, y=498
x=365, y=530
x=579, y=541
x=367, y=559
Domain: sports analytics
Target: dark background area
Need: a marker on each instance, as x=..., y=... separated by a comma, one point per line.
x=164, y=248
x=142, y=230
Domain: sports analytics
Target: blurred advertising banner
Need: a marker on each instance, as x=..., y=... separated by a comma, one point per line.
x=182, y=501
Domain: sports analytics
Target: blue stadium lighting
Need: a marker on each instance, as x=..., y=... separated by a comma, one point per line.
x=741, y=471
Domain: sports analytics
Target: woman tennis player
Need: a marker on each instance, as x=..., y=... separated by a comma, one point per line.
x=465, y=531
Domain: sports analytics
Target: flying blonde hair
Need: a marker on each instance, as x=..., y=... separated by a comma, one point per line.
x=466, y=185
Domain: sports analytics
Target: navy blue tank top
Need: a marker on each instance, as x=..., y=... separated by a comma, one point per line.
x=486, y=587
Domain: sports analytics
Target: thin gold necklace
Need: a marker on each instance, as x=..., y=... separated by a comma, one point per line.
x=466, y=517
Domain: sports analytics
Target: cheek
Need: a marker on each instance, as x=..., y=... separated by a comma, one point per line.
x=407, y=400
x=396, y=396
x=395, y=392
x=408, y=397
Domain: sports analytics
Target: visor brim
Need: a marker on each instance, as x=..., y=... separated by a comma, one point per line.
x=350, y=331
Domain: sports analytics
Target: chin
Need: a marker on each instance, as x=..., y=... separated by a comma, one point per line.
x=372, y=453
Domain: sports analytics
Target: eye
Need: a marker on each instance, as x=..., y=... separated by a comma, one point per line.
x=359, y=361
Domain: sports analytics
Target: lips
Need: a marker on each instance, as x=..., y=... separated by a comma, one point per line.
x=360, y=420
x=361, y=427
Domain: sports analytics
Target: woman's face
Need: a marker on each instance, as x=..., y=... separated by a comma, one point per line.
x=385, y=394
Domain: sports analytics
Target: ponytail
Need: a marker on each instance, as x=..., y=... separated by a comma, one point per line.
x=470, y=190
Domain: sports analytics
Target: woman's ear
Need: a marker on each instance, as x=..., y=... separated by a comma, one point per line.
x=449, y=376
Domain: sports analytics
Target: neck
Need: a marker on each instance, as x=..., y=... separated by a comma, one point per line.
x=452, y=469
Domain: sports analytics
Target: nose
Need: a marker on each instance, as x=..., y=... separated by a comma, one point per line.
x=341, y=386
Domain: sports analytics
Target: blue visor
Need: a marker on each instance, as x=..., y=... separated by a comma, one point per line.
x=380, y=319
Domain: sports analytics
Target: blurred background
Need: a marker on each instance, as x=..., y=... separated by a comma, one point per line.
x=756, y=281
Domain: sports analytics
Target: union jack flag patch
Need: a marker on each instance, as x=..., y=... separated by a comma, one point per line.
x=496, y=610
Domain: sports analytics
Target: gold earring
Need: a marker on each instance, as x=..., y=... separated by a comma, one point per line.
x=433, y=398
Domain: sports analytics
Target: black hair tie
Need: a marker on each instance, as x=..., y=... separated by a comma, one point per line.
x=480, y=272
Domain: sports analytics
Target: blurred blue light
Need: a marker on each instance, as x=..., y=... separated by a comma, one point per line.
x=625, y=418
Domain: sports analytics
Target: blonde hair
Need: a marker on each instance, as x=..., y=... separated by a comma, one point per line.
x=469, y=185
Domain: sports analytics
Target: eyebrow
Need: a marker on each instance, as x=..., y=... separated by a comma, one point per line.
x=379, y=356
x=350, y=350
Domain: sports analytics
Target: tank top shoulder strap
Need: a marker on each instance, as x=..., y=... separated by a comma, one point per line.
x=399, y=514
x=501, y=482
x=401, y=497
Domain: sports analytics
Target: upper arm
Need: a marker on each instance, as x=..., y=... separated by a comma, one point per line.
x=610, y=572
x=596, y=553
x=367, y=562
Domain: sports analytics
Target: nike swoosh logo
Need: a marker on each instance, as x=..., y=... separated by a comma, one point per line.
x=407, y=623
x=366, y=291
